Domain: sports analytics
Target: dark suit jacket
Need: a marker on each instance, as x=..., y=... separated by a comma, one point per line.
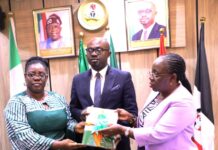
x=118, y=92
x=155, y=33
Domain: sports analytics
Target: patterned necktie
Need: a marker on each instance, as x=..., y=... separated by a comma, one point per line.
x=97, y=94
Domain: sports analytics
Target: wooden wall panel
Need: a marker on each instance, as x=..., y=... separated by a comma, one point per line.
x=4, y=79
x=58, y=3
x=4, y=88
x=23, y=18
x=62, y=72
x=139, y=63
x=177, y=23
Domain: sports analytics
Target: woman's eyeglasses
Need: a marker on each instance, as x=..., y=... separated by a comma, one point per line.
x=33, y=75
x=98, y=50
x=156, y=75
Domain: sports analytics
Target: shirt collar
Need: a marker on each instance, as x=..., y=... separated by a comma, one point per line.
x=149, y=28
x=102, y=71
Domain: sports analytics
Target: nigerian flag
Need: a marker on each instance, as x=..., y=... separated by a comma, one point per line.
x=17, y=82
x=113, y=59
x=83, y=63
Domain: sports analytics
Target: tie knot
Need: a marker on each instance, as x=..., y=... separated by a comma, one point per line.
x=98, y=75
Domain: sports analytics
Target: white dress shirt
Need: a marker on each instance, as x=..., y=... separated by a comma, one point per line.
x=93, y=78
x=148, y=31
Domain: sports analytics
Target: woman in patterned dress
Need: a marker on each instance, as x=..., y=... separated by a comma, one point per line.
x=37, y=119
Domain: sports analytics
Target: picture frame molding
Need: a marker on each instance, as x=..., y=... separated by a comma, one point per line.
x=149, y=43
x=67, y=32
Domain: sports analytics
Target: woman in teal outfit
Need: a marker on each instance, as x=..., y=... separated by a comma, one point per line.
x=37, y=119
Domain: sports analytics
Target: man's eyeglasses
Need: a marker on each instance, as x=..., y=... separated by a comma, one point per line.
x=98, y=50
x=33, y=75
x=156, y=75
x=146, y=11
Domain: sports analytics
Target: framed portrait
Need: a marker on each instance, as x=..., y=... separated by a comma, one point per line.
x=54, y=32
x=144, y=19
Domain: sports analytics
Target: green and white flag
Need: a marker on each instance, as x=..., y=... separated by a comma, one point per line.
x=113, y=59
x=17, y=82
x=82, y=61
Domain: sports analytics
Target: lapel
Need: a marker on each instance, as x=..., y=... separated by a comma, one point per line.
x=154, y=31
x=109, y=82
x=157, y=113
x=85, y=86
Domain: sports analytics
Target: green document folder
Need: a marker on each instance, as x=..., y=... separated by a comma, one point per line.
x=99, y=119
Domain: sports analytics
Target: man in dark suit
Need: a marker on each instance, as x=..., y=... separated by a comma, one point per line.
x=117, y=90
x=151, y=29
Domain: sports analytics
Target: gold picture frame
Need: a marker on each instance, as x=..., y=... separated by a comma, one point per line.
x=54, y=32
x=92, y=15
x=136, y=10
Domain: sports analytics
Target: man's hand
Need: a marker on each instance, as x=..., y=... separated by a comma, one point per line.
x=79, y=127
x=123, y=114
x=84, y=113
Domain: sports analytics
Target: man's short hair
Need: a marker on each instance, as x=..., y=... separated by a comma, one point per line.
x=53, y=19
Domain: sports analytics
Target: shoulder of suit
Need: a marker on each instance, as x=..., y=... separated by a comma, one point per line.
x=84, y=74
x=118, y=71
x=159, y=25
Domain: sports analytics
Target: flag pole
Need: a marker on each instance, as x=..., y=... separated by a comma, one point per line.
x=161, y=31
x=49, y=70
x=81, y=35
x=203, y=19
x=9, y=4
x=196, y=12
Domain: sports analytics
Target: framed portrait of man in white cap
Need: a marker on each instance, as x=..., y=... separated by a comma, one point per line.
x=54, y=32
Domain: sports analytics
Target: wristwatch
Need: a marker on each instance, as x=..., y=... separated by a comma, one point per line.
x=126, y=133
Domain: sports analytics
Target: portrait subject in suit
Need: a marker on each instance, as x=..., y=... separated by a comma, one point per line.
x=117, y=89
x=147, y=12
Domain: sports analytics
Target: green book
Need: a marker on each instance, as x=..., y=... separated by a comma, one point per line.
x=99, y=119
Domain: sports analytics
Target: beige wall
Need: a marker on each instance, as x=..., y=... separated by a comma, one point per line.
x=183, y=35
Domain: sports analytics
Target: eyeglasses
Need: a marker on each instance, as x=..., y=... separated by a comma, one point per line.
x=156, y=75
x=98, y=50
x=147, y=11
x=33, y=75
